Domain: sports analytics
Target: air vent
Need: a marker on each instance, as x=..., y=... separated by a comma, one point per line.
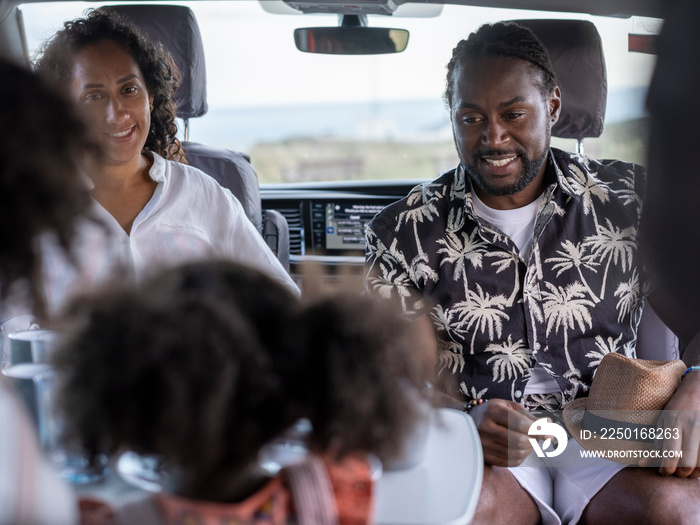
x=296, y=228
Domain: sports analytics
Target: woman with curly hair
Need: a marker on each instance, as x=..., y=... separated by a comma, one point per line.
x=158, y=210
x=207, y=363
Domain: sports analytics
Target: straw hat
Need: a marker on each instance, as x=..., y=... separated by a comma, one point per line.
x=625, y=401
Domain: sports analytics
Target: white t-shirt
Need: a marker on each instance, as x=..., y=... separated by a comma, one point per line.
x=190, y=217
x=519, y=225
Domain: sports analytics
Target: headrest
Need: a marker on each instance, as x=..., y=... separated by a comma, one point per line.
x=176, y=28
x=576, y=52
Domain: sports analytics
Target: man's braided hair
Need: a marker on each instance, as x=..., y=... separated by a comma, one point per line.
x=502, y=39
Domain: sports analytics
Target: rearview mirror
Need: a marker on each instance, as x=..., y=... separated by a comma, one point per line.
x=350, y=40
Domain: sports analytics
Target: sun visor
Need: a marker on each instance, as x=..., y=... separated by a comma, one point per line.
x=177, y=29
x=576, y=52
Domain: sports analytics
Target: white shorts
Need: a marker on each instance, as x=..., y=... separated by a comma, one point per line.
x=563, y=486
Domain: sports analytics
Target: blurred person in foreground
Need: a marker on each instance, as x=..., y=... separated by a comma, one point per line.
x=158, y=211
x=41, y=190
x=670, y=230
x=207, y=363
x=671, y=219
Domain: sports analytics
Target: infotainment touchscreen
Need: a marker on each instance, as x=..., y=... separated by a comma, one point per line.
x=345, y=224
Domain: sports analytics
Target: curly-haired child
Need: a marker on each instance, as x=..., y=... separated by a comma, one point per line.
x=209, y=362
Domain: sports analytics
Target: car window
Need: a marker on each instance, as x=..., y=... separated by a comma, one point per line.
x=305, y=117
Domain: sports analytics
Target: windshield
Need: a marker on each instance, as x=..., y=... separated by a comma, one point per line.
x=308, y=117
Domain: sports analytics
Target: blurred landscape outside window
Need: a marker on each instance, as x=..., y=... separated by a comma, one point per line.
x=304, y=117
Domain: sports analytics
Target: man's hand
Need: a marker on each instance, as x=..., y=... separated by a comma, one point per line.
x=682, y=412
x=503, y=427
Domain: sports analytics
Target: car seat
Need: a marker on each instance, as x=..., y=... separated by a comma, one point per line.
x=177, y=29
x=576, y=51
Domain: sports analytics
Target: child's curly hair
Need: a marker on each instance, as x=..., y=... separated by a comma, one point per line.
x=208, y=362
x=155, y=62
x=178, y=372
x=364, y=376
x=271, y=310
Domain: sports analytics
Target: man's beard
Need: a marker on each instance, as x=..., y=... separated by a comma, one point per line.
x=530, y=168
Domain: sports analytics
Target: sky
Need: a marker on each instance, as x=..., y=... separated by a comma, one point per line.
x=252, y=61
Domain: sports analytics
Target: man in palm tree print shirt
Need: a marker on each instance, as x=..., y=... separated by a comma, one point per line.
x=526, y=259
x=563, y=300
x=523, y=254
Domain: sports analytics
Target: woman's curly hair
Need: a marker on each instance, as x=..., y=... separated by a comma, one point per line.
x=502, y=39
x=157, y=65
x=41, y=184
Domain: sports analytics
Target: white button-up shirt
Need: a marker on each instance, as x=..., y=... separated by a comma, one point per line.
x=190, y=217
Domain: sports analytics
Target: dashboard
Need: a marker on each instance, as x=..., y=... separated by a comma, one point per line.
x=327, y=222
